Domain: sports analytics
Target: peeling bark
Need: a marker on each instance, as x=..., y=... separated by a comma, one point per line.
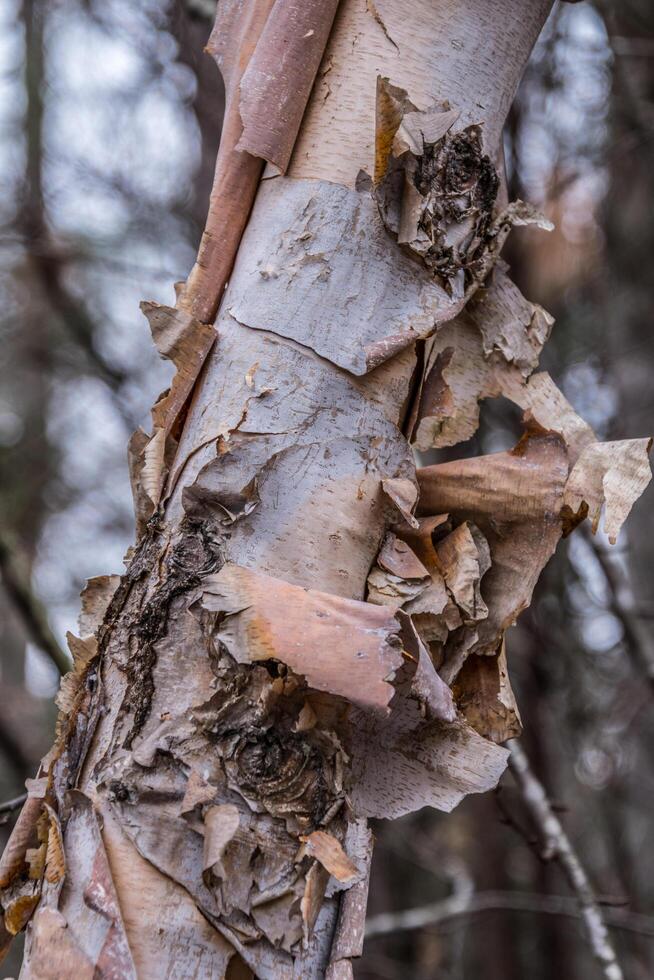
x=310, y=632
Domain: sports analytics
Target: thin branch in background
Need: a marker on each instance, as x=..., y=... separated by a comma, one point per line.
x=97, y=259
x=638, y=638
x=71, y=312
x=508, y=818
x=10, y=806
x=556, y=845
x=47, y=265
x=438, y=913
x=14, y=752
x=29, y=608
x=205, y=9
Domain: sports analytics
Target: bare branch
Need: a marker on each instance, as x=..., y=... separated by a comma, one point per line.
x=453, y=907
x=557, y=845
x=204, y=9
x=638, y=638
x=45, y=262
x=48, y=267
x=13, y=751
x=28, y=607
x=9, y=806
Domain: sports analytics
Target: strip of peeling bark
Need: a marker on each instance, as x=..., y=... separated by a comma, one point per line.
x=217, y=759
x=268, y=53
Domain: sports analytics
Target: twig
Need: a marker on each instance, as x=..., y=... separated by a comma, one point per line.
x=509, y=820
x=14, y=804
x=72, y=313
x=556, y=845
x=29, y=608
x=10, y=805
x=13, y=751
x=639, y=642
x=205, y=9
x=436, y=913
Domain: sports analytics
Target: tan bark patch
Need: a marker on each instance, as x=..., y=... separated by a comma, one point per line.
x=327, y=849
x=609, y=474
x=483, y=693
x=220, y=825
x=23, y=835
x=277, y=81
x=186, y=342
x=19, y=912
x=515, y=498
x=487, y=351
x=340, y=645
x=55, y=857
x=407, y=764
x=95, y=598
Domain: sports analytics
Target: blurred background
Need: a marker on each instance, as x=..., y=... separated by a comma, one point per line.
x=109, y=120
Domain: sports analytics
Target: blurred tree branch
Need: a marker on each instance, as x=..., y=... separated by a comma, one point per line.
x=49, y=268
x=28, y=607
x=426, y=916
x=45, y=261
x=204, y=9
x=191, y=29
x=638, y=638
x=11, y=748
x=556, y=845
x=8, y=807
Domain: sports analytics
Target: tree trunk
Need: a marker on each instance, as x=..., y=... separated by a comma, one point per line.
x=238, y=709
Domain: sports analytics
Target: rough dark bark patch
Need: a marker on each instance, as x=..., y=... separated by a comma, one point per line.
x=193, y=555
x=459, y=182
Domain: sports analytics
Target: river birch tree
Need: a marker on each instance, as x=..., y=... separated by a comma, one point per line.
x=310, y=629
